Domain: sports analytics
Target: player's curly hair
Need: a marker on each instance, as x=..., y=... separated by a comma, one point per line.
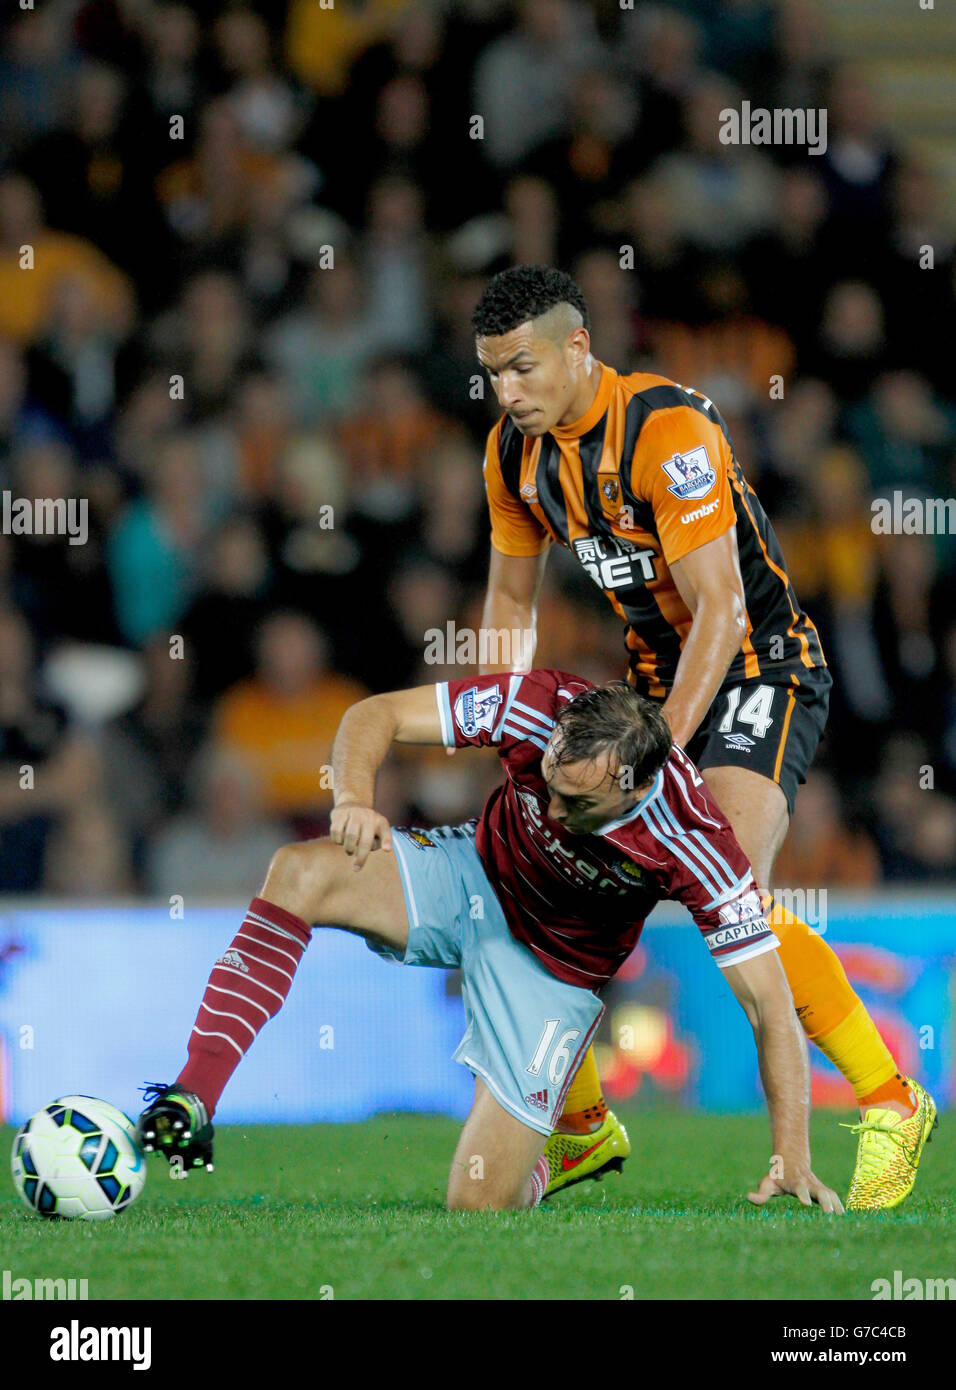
x=614, y=718
x=524, y=292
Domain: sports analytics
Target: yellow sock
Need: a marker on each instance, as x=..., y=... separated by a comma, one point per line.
x=584, y=1106
x=829, y=1009
x=865, y=1060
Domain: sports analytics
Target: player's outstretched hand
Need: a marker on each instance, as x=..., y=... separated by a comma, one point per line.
x=359, y=830
x=805, y=1186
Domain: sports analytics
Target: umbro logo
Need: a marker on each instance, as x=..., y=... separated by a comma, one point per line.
x=739, y=741
x=233, y=958
x=539, y=1100
x=529, y=492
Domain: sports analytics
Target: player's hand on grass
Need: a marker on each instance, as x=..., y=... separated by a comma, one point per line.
x=359, y=830
x=803, y=1184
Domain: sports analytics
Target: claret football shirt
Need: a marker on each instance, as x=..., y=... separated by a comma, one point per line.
x=579, y=902
x=646, y=476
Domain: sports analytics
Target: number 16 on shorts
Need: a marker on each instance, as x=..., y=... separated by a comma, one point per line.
x=553, y=1050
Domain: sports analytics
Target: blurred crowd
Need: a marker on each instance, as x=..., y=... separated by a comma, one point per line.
x=258, y=232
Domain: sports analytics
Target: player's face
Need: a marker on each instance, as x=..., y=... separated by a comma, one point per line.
x=537, y=381
x=586, y=795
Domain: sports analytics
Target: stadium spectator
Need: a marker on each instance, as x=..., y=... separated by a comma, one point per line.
x=591, y=159
x=69, y=593
x=72, y=366
x=533, y=212
x=662, y=47
x=48, y=771
x=322, y=347
x=618, y=329
x=820, y=850
x=153, y=551
x=918, y=272
x=207, y=340
x=897, y=803
x=88, y=856
x=27, y=294
x=384, y=441
x=90, y=174
x=36, y=70
x=730, y=340
x=523, y=80
x=207, y=196
x=664, y=264
x=851, y=346
x=859, y=163
x=172, y=81
x=790, y=267
x=230, y=605
x=395, y=263
x=217, y=846
x=267, y=105
x=146, y=752
x=13, y=400
x=903, y=434
x=796, y=70
x=945, y=720
x=260, y=431
x=323, y=42
x=281, y=721
x=723, y=194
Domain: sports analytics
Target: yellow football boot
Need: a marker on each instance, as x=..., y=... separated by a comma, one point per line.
x=889, y=1153
x=574, y=1157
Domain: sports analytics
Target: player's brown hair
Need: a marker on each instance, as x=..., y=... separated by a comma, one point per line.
x=614, y=718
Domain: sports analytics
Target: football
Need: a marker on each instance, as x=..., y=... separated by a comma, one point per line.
x=78, y=1158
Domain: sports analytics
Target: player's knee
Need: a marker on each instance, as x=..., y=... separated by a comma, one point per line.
x=295, y=881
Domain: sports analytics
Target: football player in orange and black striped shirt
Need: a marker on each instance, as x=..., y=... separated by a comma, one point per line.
x=637, y=476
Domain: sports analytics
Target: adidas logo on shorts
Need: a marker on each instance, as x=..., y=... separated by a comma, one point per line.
x=539, y=1100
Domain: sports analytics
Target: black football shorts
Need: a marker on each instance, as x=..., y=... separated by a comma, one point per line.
x=772, y=729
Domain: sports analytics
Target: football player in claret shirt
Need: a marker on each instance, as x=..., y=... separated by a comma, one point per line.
x=637, y=476
x=538, y=902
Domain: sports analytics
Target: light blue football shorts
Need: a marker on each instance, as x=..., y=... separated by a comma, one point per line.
x=527, y=1031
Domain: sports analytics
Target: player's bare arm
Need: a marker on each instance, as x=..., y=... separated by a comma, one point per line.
x=708, y=580
x=761, y=988
x=511, y=605
x=365, y=735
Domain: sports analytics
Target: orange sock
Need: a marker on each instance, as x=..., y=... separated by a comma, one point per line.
x=831, y=1012
x=896, y=1089
x=584, y=1106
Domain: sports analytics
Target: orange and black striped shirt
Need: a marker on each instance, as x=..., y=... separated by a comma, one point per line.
x=647, y=475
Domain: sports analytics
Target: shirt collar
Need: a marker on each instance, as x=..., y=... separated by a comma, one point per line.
x=597, y=408
x=635, y=810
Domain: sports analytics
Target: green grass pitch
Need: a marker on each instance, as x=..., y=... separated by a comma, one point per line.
x=294, y=1210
